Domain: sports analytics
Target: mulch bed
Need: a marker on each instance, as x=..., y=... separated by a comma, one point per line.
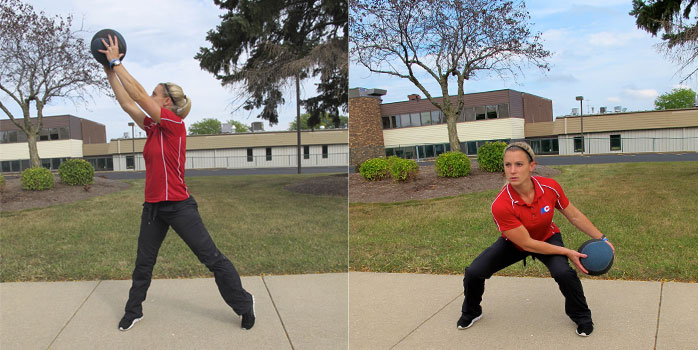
x=427, y=185
x=15, y=198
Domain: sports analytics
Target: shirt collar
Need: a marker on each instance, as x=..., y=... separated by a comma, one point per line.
x=516, y=198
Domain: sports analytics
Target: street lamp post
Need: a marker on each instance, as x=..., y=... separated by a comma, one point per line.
x=581, y=119
x=133, y=143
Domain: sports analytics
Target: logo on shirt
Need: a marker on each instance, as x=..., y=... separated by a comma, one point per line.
x=545, y=209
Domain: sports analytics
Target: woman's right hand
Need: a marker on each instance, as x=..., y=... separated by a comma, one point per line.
x=575, y=256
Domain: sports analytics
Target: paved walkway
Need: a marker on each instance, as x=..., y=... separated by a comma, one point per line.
x=293, y=312
x=386, y=311
x=410, y=311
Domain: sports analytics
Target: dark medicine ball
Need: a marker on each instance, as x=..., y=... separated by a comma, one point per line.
x=98, y=45
x=599, y=256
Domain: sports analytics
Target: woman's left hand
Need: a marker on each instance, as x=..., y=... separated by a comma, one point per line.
x=612, y=247
x=112, y=51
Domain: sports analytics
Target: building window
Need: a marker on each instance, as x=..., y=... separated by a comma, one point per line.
x=405, y=120
x=615, y=143
x=578, y=144
x=386, y=122
x=306, y=152
x=130, y=163
x=395, y=121
x=414, y=119
x=426, y=118
x=250, y=158
x=491, y=112
x=480, y=113
x=436, y=117
x=268, y=153
x=324, y=151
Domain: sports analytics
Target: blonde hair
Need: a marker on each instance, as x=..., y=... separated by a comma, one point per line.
x=523, y=146
x=181, y=103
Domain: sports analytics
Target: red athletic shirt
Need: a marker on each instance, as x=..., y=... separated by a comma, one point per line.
x=164, y=154
x=510, y=211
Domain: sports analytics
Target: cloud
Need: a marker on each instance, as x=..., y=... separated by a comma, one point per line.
x=641, y=93
x=609, y=39
x=613, y=99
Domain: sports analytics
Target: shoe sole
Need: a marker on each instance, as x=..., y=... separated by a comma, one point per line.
x=582, y=334
x=471, y=322
x=132, y=323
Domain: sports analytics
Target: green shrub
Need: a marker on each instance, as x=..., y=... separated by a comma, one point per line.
x=490, y=156
x=374, y=169
x=403, y=169
x=2, y=183
x=37, y=179
x=76, y=172
x=452, y=164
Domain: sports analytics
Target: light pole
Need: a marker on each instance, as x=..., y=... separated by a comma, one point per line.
x=133, y=143
x=581, y=119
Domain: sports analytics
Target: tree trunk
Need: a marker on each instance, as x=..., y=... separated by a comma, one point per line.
x=453, y=140
x=33, y=151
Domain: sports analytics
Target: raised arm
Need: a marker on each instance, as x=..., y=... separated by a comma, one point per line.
x=125, y=101
x=132, y=87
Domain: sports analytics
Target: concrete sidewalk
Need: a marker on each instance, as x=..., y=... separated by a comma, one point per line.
x=411, y=311
x=293, y=312
x=386, y=311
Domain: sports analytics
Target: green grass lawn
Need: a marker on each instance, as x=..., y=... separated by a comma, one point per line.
x=261, y=227
x=648, y=210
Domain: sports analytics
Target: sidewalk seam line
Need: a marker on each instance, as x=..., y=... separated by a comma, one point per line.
x=425, y=321
x=659, y=313
x=277, y=313
x=73, y=315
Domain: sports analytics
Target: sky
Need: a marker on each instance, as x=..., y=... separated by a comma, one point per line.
x=162, y=39
x=597, y=52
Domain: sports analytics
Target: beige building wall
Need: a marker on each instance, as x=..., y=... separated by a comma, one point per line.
x=507, y=128
x=236, y=158
x=635, y=141
x=47, y=149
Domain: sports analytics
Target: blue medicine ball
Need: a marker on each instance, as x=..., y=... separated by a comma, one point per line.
x=97, y=44
x=599, y=256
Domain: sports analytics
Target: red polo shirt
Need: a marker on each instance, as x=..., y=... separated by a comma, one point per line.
x=164, y=154
x=510, y=211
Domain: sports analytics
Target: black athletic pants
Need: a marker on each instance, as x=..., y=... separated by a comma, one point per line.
x=183, y=217
x=504, y=253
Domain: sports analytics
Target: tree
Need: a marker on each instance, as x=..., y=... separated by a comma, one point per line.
x=281, y=41
x=42, y=59
x=680, y=31
x=444, y=41
x=239, y=127
x=206, y=126
x=676, y=98
x=326, y=121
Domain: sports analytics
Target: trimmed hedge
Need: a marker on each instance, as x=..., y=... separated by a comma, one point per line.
x=76, y=172
x=374, y=169
x=37, y=179
x=452, y=164
x=403, y=169
x=2, y=183
x=490, y=156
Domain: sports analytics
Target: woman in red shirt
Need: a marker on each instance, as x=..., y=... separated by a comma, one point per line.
x=167, y=199
x=523, y=211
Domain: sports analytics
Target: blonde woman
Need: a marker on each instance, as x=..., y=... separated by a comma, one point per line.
x=168, y=202
x=523, y=211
